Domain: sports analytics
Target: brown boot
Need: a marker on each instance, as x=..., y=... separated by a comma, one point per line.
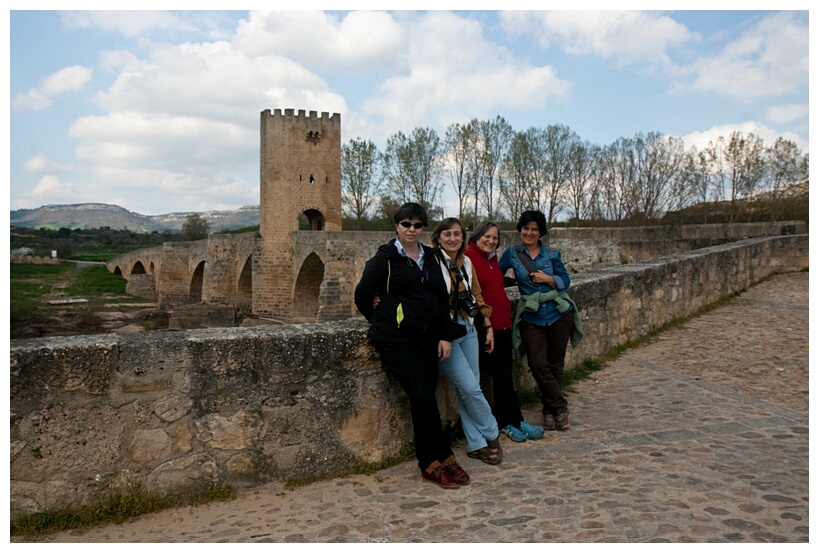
x=455, y=470
x=437, y=473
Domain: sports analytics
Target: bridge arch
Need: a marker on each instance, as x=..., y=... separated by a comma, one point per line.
x=138, y=269
x=308, y=286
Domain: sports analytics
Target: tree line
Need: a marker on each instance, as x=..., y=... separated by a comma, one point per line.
x=497, y=172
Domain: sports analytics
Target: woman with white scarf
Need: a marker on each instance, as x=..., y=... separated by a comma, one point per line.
x=462, y=366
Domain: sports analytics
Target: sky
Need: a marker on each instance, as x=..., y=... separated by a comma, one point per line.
x=158, y=111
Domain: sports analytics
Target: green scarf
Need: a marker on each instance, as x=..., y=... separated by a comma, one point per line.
x=532, y=303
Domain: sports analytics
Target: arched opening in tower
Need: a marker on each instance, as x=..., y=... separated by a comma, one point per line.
x=244, y=294
x=311, y=219
x=308, y=285
x=197, y=280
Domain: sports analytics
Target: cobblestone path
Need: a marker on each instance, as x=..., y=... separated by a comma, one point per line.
x=699, y=436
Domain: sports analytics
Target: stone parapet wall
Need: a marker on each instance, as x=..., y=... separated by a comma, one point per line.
x=248, y=405
x=34, y=260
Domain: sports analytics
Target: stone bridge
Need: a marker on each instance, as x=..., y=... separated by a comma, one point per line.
x=324, y=266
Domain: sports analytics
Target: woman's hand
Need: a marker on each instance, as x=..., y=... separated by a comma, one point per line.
x=444, y=349
x=542, y=278
x=489, y=344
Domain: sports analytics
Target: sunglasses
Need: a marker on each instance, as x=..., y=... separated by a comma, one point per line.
x=407, y=224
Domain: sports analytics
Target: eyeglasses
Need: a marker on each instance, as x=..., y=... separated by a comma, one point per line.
x=407, y=224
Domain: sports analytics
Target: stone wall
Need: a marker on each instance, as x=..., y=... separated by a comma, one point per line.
x=34, y=260
x=141, y=286
x=246, y=405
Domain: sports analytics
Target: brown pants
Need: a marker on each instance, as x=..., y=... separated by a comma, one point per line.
x=545, y=348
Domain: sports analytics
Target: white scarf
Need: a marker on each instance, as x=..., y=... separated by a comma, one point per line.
x=445, y=269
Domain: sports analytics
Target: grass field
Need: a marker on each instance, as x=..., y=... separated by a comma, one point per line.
x=32, y=286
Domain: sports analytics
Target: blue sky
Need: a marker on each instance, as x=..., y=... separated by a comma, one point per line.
x=158, y=111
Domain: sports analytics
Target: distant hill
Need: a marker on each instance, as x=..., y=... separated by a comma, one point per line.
x=87, y=216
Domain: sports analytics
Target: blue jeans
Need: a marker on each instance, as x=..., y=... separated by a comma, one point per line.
x=462, y=369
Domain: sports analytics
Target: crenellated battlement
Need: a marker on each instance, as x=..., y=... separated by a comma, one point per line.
x=290, y=113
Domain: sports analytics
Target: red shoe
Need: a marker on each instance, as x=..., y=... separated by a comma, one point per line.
x=457, y=473
x=440, y=476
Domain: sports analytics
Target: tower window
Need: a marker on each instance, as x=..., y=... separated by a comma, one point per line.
x=311, y=179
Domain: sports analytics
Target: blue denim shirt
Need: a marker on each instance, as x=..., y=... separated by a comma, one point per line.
x=548, y=261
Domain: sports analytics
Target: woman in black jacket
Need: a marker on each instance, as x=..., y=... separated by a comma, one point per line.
x=403, y=296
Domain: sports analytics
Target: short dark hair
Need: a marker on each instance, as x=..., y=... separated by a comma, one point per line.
x=447, y=224
x=481, y=229
x=533, y=215
x=411, y=210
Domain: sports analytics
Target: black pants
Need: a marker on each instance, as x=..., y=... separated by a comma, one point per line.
x=415, y=367
x=545, y=348
x=498, y=366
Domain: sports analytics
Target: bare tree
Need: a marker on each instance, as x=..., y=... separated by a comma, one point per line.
x=361, y=178
x=412, y=165
x=515, y=177
x=579, y=182
x=659, y=161
x=786, y=166
x=689, y=182
x=737, y=168
x=558, y=141
x=616, y=180
x=495, y=136
x=195, y=227
x=459, y=141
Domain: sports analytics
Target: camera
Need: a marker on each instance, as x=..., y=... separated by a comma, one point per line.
x=467, y=303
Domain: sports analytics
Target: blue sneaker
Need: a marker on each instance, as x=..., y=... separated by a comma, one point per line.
x=531, y=431
x=513, y=433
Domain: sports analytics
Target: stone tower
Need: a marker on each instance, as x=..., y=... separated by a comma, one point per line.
x=300, y=176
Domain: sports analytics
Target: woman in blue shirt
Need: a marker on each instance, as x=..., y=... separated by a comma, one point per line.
x=544, y=323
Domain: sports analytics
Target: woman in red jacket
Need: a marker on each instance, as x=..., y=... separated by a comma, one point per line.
x=482, y=251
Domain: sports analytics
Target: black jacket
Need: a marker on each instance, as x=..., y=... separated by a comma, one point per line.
x=414, y=305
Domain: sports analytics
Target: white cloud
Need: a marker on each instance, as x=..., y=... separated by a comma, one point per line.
x=768, y=135
x=149, y=141
x=625, y=36
x=41, y=164
x=128, y=23
x=450, y=72
x=769, y=59
x=33, y=100
x=213, y=80
x=193, y=107
x=112, y=60
x=48, y=190
x=359, y=39
x=68, y=79
x=787, y=112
